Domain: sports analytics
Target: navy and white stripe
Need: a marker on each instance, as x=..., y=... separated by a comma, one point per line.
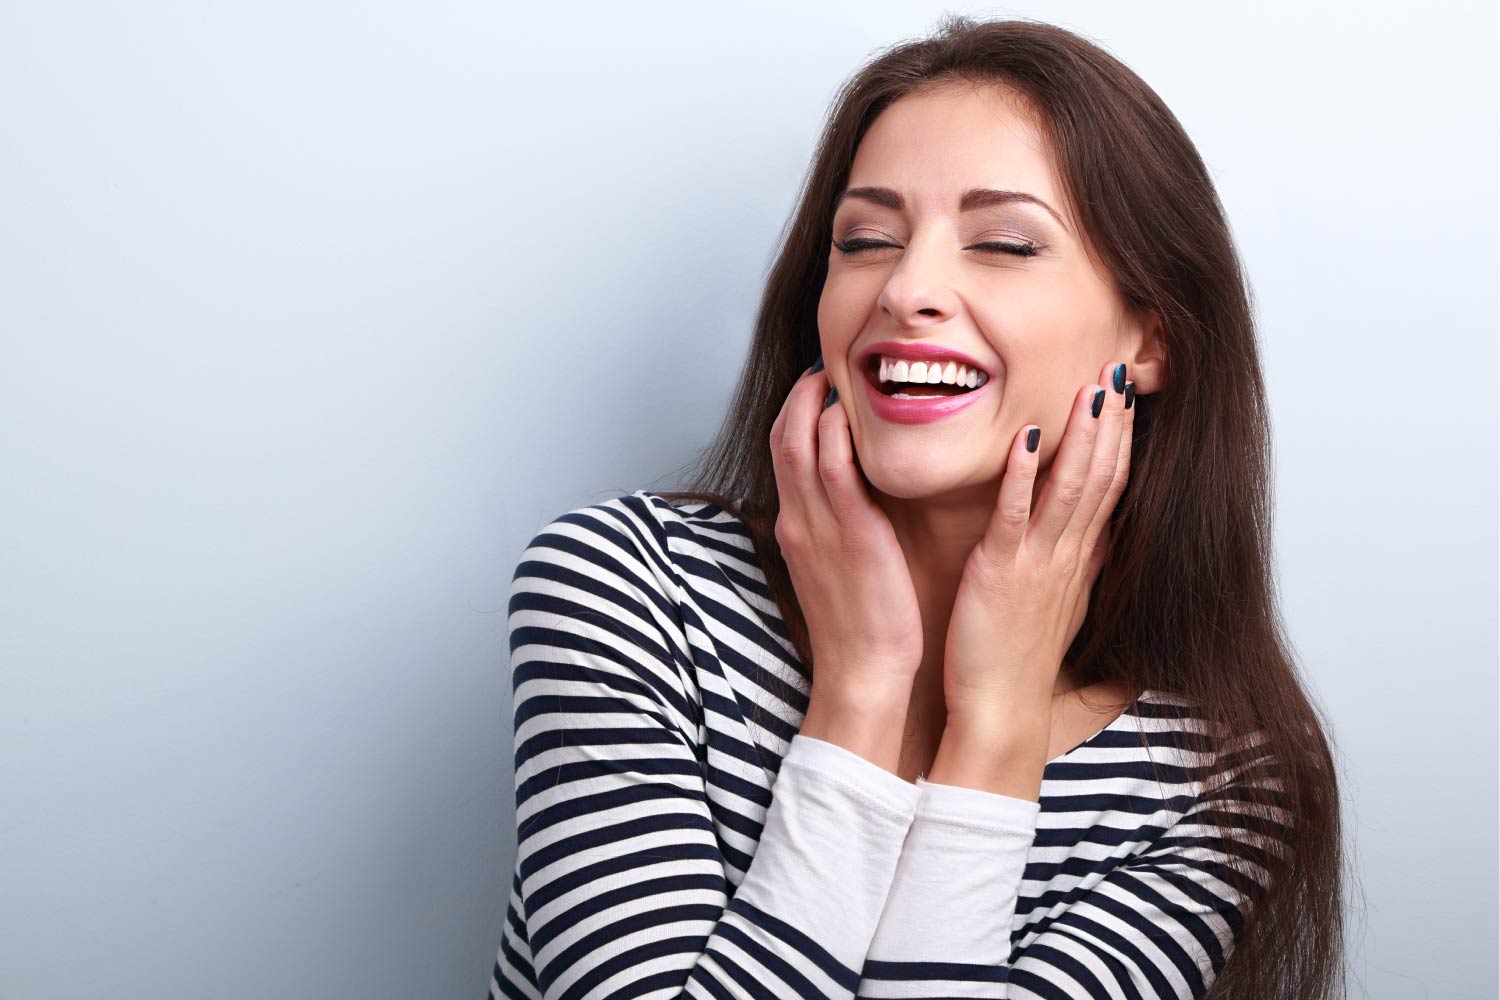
x=657, y=701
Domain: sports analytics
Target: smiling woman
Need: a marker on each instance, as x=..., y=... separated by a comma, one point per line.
x=999, y=274
x=972, y=682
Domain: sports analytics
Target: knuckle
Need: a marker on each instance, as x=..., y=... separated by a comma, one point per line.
x=1015, y=513
x=792, y=453
x=788, y=533
x=1069, y=491
x=1104, y=471
x=841, y=498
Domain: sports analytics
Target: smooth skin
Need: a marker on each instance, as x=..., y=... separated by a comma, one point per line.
x=928, y=594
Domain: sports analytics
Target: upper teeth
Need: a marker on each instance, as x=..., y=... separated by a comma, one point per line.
x=933, y=374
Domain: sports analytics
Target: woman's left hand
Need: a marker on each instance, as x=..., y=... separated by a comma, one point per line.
x=1025, y=587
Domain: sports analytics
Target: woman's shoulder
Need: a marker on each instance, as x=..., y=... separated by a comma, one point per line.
x=1182, y=734
x=660, y=514
x=666, y=540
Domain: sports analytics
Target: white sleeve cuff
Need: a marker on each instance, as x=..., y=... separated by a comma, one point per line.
x=960, y=872
x=829, y=848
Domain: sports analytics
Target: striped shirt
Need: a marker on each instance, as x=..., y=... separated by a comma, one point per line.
x=657, y=701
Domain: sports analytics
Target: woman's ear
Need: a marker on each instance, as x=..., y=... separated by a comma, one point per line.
x=1146, y=356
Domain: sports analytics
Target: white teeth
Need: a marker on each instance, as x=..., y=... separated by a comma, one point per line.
x=932, y=373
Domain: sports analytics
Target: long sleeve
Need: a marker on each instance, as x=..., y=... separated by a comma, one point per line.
x=945, y=930
x=622, y=871
x=1160, y=924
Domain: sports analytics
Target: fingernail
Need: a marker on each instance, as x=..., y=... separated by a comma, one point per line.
x=817, y=366
x=1033, y=437
x=833, y=394
x=1129, y=394
x=1120, y=377
x=1098, y=402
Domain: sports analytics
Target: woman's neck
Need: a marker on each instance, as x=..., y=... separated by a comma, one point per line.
x=936, y=535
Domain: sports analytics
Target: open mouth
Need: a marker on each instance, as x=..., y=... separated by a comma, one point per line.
x=914, y=380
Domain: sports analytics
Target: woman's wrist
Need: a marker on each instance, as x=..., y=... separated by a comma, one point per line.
x=1002, y=753
x=868, y=722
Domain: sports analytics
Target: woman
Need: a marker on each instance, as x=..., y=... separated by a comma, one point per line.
x=997, y=631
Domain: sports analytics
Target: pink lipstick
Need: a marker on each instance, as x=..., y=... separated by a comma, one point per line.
x=915, y=409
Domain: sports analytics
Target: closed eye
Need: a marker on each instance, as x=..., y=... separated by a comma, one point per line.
x=855, y=246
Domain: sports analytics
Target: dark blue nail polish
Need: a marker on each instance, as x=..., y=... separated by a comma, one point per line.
x=1129, y=394
x=817, y=366
x=1120, y=377
x=833, y=395
x=1033, y=438
x=1098, y=402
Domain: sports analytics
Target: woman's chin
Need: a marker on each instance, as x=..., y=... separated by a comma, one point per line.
x=916, y=477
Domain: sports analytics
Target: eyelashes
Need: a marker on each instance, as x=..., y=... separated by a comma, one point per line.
x=851, y=247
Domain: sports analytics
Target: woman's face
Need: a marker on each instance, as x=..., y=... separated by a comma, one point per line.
x=1041, y=326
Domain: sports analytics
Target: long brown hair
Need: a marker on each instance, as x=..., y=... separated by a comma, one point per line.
x=1186, y=602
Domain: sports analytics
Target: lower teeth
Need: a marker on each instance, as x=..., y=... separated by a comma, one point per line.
x=926, y=395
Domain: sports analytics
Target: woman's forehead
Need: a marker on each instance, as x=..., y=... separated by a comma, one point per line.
x=934, y=147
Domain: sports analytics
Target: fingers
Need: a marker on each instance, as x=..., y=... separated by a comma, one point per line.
x=794, y=452
x=1063, y=490
x=1099, y=526
x=846, y=494
x=1013, y=506
x=1072, y=506
x=1104, y=464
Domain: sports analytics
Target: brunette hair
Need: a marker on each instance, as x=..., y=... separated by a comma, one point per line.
x=1186, y=601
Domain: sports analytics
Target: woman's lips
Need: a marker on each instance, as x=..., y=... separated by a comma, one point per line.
x=917, y=410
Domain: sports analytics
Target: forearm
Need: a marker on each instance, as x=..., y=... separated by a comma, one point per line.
x=1003, y=751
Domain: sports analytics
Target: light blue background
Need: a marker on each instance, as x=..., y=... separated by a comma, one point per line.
x=312, y=313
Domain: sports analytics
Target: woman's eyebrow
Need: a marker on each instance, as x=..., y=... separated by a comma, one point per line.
x=974, y=198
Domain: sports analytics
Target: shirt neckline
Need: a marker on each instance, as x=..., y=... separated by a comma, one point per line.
x=1128, y=713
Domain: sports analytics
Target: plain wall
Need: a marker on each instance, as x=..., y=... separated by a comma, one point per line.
x=311, y=314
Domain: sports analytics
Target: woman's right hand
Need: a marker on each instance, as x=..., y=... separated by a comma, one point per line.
x=848, y=570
